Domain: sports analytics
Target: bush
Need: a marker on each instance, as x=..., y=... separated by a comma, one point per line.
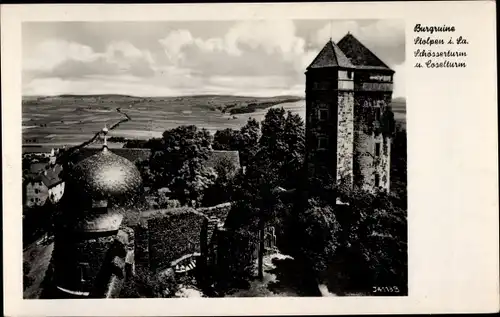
x=374, y=241
x=147, y=285
x=319, y=227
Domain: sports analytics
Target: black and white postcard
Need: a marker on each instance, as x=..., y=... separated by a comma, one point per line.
x=249, y=158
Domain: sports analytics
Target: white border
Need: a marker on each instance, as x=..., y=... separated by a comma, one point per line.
x=453, y=164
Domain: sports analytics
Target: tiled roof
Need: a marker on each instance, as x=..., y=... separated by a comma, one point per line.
x=140, y=154
x=132, y=154
x=51, y=176
x=36, y=168
x=331, y=56
x=359, y=54
x=36, y=149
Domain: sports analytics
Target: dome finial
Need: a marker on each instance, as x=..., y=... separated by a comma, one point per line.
x=105, y=132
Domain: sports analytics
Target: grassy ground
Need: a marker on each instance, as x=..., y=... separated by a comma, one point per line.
x=72, y=119
x=282, y=278
x=37, y=258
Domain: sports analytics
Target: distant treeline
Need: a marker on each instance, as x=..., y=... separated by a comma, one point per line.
x=238, y=108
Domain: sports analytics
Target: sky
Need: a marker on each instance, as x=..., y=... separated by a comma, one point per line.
x=174, y=58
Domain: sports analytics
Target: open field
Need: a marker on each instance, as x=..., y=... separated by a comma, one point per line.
x=71, y=119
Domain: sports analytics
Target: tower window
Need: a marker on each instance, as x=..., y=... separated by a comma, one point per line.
x=323, y=114
x=377, y=113
x=377, y=149
x=84, y=272
x=377, y=180
x=349, y=74
x=322, y=143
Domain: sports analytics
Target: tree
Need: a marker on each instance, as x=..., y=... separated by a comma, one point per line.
x=227, y=140
x=178, y=163
x=221, y=191
x=282, y=140
x=249, y=141
x=318, y=231
x=147, y=285
x=294, y=138
x=256, y=200
x=245, y=141
x=374, y=239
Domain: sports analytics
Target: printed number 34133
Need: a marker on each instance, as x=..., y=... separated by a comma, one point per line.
x=385, y=289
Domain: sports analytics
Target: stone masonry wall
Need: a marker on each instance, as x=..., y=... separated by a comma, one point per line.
x=363, y=161
x=172, y=234
x=383, y=163
x=345, y=137
x=366, y=164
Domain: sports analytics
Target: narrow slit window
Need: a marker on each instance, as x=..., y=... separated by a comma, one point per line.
x=322, y=143
x=84, y=272
x=323, y=114
x=377, y=149
x=377, y=180
x=377, y=113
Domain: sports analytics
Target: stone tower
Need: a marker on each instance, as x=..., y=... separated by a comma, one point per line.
x=90, y=243
x=349, y=122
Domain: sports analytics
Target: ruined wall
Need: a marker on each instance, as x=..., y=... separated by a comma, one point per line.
x=363, y=160
x=172, y=234
x=219, y=211
x=382, y=164
x=368, y=131
x=345, y=137
x=79, y=259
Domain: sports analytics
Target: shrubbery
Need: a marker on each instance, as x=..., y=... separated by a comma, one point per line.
x=146, y=285
x=363, y=243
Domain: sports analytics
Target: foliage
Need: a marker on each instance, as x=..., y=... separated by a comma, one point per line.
x=117, y=139
x=148, y=144
x=226, y=140
x=245, y=140
x=178, y=163
x=221, y=191
x=282, y=143
x=384, y=125
x=148, y=178
x=374, y=238
x=369, y=242
x=27, y=279
x=147, y=285
x=249, y=140
x=236, y=263
x=399, y=165
x=318, y=231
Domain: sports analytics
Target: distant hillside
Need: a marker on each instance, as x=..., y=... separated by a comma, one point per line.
x=223, y=103
x=399, y=104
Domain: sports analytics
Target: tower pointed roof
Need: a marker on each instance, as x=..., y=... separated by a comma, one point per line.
x=331, y=56
x=360, y=55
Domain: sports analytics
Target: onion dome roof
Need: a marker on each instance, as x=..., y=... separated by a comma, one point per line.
x=106, y=175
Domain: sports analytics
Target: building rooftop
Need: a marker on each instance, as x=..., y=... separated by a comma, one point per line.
x=51, y=176
x=349, y=52
x=331, y=56
x=140, y=154
x=359, y=54
x=132, y=154
x=36, y=168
